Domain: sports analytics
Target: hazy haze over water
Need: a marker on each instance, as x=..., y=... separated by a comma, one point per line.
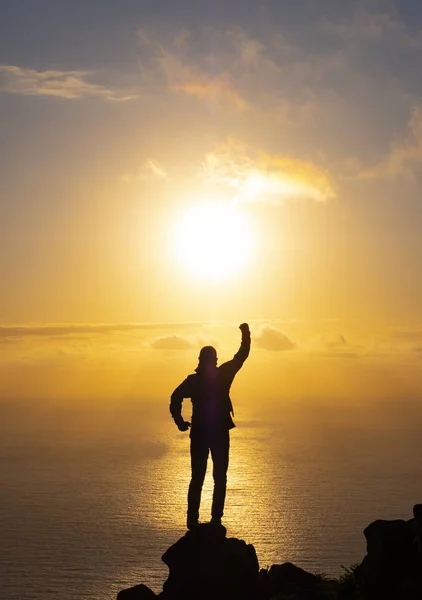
x=88, y=505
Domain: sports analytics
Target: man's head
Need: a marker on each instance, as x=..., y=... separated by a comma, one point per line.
x=208, y=356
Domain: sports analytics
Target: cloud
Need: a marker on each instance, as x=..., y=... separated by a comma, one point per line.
x=300, y=85
x=273, y=340
x=249, y=52
x=57, y=329
x=150, y=170
x=189, y=72
x=171, y=342
x=241, y=173
x=256, y=176
x=231, y=68
x=19, y=331
x=368, y=27
x=407, y=335
x=60, y=84
x=215, y=90
x=404, y=156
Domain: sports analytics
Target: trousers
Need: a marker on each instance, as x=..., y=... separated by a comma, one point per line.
x=200, y=447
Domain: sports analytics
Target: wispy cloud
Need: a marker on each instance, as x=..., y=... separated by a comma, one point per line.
x=405, y=154
x=369, y=26
x=311, y=83
x=256, y=176
x=407, y=334
x=150, y=170
x=59, y=329
x=189, y=74
x=13, y=331
x=123, y=342
x=242, y=173
x=215, y=90
x=60, y=84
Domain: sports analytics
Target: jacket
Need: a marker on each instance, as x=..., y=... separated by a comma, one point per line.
x=212, y=408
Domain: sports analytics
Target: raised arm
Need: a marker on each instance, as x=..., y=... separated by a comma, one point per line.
x=181, y=392
x=245, y=345
x=232, y=366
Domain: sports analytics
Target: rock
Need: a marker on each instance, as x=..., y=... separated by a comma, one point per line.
x=139, y=592
x=263, y=592
x=410, y=589
x=287, y=579
x=417, y=513
x=391, y=557
x=205, y=565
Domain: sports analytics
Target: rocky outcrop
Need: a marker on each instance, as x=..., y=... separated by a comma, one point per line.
x=392, y=567
x=206, y=565
x=139, y=592
x=287, y=579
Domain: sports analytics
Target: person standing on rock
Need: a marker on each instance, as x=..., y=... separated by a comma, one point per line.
x=209, y=388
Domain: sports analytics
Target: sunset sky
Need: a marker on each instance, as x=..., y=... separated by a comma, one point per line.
x=298, y=124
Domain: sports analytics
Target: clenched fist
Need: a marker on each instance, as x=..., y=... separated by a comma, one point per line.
x=183, y=425
x=244, y=328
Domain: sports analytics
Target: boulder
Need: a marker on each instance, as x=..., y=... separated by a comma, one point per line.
x=391, y=558
x=206, y=565
x=288, y=579
x=410, y=589
x=417, y=513
x=139, y=592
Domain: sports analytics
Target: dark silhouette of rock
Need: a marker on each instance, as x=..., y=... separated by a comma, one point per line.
x=287, y=579
x=205, y=564
x=139, y=592
x=417, y=513
x=393, y=561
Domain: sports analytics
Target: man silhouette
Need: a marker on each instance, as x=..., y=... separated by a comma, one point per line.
x=212, y=419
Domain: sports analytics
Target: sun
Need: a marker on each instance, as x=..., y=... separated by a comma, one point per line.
x=213, y=240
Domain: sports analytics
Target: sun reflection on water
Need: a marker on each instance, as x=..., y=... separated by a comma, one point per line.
x=257, y=494
x=289, y=494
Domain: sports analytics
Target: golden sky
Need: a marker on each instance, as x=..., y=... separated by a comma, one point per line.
x=168, y=175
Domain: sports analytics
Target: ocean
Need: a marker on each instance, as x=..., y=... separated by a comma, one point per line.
x=90, y=500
